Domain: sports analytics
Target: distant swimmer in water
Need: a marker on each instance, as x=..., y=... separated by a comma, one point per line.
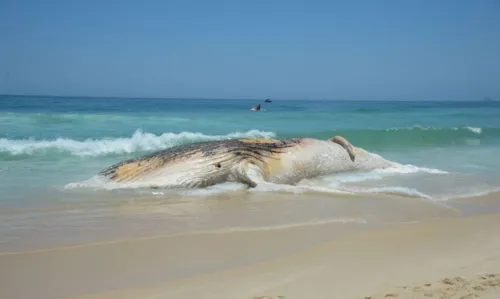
x=256, y=108
x=267, y=101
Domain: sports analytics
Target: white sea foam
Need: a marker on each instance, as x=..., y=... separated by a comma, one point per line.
x=408, y=168
x=139, y=141
x=216, y=189
x=335, y=180
x=343, y=184
x=475, y=130
x=470, y=194
x=397, y=190
x=298, y=189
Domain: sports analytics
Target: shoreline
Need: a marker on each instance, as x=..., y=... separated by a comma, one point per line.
x=76, y=226
x=316, y=261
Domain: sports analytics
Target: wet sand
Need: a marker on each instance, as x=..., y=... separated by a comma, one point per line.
x=111, y=219
x=436, y=253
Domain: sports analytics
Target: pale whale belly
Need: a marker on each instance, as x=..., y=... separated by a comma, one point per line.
x=319, y=158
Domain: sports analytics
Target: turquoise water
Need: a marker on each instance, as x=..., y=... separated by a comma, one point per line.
x=47, y=143
x=51, y=146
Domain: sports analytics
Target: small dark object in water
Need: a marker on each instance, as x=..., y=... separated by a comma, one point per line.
x=267, y=101
x=256, y=108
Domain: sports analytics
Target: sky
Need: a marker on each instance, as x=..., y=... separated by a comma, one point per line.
x=360, y=50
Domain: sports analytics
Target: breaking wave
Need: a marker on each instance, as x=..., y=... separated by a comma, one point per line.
x=138, y=142
x=391, y=138
x=423, y=128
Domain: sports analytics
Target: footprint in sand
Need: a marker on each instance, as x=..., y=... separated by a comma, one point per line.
x=448, y=288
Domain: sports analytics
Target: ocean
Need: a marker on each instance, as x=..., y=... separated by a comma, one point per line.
x=50, y=145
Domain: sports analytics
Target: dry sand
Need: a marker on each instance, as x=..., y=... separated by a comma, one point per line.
x=453, y=257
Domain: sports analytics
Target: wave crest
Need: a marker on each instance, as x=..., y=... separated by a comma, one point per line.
x=139, y=141
x=475, y=130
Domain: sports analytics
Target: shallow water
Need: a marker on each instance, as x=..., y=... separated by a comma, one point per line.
x=446, y=150
x=167, y=215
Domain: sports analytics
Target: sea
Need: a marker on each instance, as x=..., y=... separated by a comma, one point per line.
x=50, y=146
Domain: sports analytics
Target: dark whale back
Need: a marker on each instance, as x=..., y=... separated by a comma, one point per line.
x=238, y=149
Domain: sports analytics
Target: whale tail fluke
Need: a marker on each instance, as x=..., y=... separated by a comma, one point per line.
x=346, y=145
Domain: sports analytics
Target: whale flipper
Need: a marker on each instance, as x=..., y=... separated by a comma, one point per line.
x=346, y=145
x=248, y=173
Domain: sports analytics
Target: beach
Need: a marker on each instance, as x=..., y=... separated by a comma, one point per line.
x=246, y=150
x=447, y=254
x=425, y=226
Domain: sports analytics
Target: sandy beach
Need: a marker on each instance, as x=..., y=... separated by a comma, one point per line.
x=452, y=256
x=249, y=150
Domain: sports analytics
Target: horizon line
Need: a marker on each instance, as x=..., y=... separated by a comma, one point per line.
x=235, y=99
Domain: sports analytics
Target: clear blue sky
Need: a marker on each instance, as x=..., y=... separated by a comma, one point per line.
x=426, y=49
